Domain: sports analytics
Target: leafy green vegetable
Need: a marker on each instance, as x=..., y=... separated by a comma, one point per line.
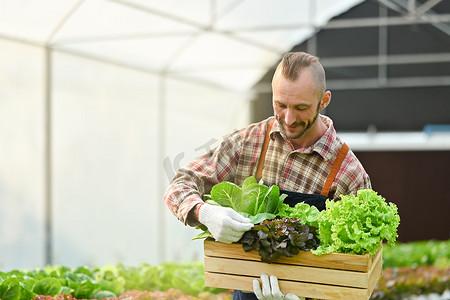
x=48, y=286
x=253, y=200
x=357, y=224
x=187, y=277
x=12, y=289
x=303, y=211
x=104, y=295
x=81, y=282
x=100, y=283
x=279, y=237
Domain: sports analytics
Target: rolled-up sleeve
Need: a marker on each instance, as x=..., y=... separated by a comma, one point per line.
x=192, y=182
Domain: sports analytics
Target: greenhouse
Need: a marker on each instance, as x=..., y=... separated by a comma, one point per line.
x=104, y=102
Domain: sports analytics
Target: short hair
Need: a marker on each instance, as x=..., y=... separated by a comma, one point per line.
x=293, y=63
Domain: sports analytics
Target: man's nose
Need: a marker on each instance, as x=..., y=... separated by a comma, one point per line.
x=289, y=118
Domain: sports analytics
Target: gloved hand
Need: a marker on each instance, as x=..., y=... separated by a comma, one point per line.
x=224, y=223
x=270, y=289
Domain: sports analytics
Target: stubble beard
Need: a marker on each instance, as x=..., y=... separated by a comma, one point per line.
x=300, y=134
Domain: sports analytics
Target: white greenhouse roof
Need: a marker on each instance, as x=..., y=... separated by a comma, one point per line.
x=226, y=43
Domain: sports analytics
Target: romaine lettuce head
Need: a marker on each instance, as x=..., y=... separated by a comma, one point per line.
x=250, y=199
x=357, y=224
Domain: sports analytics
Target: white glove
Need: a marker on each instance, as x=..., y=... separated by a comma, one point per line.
x=270, y=290
x=224, y=223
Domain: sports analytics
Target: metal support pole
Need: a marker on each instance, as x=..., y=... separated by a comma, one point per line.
x=382, y=47
x=311, y=44
x=48, y=230
x=412, y=7
x=161, y=245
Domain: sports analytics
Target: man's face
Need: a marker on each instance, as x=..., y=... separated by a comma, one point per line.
x=296, y=104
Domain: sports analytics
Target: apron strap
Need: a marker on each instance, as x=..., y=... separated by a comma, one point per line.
x=335, y=168
x=262, y=157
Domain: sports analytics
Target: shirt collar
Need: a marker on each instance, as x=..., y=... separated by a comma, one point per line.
x=326, y=146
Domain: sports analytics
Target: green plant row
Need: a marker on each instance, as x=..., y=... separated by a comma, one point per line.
x=414, y=268
x=415, y=254
x=103, y=282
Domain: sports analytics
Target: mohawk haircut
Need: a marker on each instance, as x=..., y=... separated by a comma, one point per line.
x=293, y=63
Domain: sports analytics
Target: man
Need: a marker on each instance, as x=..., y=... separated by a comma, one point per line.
x=297, y=149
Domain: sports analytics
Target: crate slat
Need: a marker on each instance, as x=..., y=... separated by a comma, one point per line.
x=376, y=270
x=289, y=272
x=335, y=260
x=304, y=289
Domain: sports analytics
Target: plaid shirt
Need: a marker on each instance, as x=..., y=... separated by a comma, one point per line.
x=302, y=170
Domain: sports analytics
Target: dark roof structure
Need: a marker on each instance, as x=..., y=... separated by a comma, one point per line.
x=387, y=64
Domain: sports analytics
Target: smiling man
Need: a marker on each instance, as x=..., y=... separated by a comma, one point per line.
x=297, y=149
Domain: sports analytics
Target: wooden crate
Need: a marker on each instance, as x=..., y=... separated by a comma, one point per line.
x=329, y=276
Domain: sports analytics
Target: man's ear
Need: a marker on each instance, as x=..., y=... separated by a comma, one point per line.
x=326, y=98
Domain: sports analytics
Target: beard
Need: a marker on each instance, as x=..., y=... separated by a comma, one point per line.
x=306, y=126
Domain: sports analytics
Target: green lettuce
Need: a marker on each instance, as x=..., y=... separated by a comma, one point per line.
x=308, y=214
x=357, y=224
x=81, y=283
x=106, y=282
x=252, y=199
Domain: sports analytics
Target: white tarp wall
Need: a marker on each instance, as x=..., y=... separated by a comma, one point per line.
x=107, y=202
x=21, y=156
x=102, y=100
x=107, y=177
